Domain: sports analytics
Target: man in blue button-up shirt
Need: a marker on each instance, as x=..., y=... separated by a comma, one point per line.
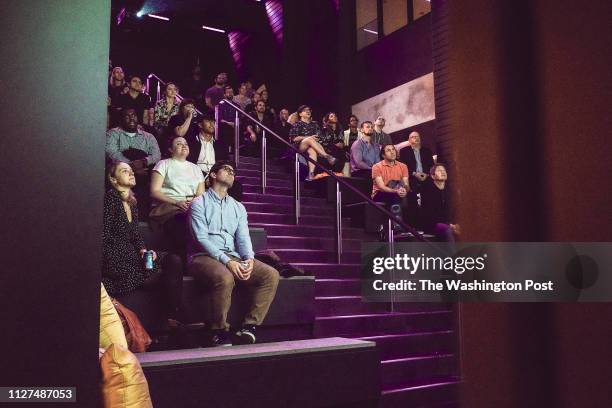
x=221, y=255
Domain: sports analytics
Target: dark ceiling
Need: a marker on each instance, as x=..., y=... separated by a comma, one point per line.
x=225, y=14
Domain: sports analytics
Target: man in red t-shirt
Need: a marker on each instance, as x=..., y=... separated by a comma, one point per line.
x=390, y=179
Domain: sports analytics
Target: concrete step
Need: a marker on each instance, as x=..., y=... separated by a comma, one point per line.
x=312, y=243
x=310, y=255
x=276, y=182
x=286, y=191
x=281, y=199
x=326, y=210
x=331, y=270
x=423, y=394
x=398, y=372
x=337, y=287
x=346, y=305
x=275, y=175
x=306, y=230
x=273, y=218
x=393, y=346
x=376, y=324
x=275, y=168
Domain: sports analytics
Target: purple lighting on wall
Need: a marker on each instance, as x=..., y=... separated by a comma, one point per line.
x=336, y=5
x=274, y=10
x=120, y=16
x=236, y=41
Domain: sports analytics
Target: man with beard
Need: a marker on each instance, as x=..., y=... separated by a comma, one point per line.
x=254, y=132
x=221, y=256
x=130, y=144
x=215, y=93
x=365, y=153
x=390, y=181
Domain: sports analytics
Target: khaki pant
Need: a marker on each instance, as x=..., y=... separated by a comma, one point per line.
x=220, y=282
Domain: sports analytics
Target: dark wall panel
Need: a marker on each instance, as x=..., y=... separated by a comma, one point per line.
x=55, y=57
x=529, y=117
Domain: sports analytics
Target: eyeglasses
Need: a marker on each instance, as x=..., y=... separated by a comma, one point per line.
x=228, y=169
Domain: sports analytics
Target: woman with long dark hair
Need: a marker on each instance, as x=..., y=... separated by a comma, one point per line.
x=166, y=107
x=124, y=272
x=332, y=140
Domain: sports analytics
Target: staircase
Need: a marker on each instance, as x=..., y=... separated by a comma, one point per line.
x=417, y=345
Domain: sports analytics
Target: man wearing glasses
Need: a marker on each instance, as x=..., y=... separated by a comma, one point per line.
x=220, y=256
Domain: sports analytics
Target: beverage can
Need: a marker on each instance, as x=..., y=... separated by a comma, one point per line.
x=148, y=256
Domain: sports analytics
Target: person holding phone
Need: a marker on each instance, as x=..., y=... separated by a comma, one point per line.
x=220, y=256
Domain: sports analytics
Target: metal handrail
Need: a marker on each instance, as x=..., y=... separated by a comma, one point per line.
x=339, y=180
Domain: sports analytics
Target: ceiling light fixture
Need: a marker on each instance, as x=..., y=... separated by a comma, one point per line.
x=213, y=29
x=370, y=31
x=158, y=17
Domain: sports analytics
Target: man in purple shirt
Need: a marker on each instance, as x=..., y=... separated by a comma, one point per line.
x=215, y=93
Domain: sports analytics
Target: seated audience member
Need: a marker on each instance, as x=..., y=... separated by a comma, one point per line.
x=215, y=93
x=242, y=99
x=221, y=256
x=418, y=158
x=254, y=99
x=365, y=153
x=282, y=127
x=435, y=212
x=351, y=134
x=378, y=135
x=265, y=96
x=137, y=100
x=124, y=272
x=253, y=132
x=390, y=180
x=227, y=119
x=175, y=182
x=183, y=124
x=194, y=85
x=332, y=142
x=130, y=144
x=249, y=89
x=203, y=153
x=116, y=85
x=305, y=136
x=165, y=108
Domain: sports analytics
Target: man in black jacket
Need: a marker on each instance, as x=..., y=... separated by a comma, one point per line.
x=435, y=213
x=419, y=160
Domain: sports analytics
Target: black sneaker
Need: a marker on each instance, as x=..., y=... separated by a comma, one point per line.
x=246, y=335
x=216, y=338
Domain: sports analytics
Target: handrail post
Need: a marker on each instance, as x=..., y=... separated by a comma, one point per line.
x=264, y=162
x=297, y=189
x=338, y=222
x=391, y=238
x=237, y=139
x=158, y=91
x=217, y=118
